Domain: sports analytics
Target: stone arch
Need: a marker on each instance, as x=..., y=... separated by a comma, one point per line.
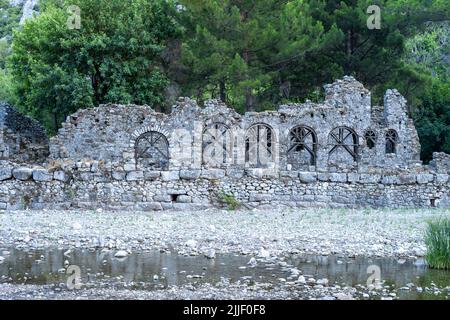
x=217, y=145
x=343, y=143
x=260, y=146
x=302, y=148
x=151, y=150
x=371, y=139
x=391, y=141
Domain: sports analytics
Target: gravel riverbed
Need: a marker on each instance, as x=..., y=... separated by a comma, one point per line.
x=261, y=235
x=386, y=233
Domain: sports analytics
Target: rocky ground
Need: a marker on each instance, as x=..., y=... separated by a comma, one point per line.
x=259, y=234
x=346, y=232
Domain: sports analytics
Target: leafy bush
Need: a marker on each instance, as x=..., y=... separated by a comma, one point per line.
x=437, y=240
x=230, y=201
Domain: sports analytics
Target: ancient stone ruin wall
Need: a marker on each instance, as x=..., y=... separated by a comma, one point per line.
x=22, y=139
x=343, y=152
x=342, y=134
x=92, y=185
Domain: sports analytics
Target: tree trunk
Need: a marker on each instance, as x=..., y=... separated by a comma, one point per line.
x=223, y=91
x=347, y=67
x=249, y=98
x=55, y=121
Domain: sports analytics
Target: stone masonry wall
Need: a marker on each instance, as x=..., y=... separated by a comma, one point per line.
x=343, y=152
x=112, y=132
x=22, y=139
x=94, y=185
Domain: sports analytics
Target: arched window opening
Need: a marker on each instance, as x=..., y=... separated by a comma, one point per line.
x=391, y=142
x=259, y=146
x=152, y=151
x=217, y=145
x=371, y=139
x=302, y=150
x=343, y=142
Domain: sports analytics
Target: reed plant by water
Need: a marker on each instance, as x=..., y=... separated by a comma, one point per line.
x=437, y=240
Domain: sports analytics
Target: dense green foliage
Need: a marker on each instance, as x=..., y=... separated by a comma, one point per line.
x=238, y=50
x=252, y=54
x=291, y=49
x=114, y=56
x=10, y=16
x=429, y=51
x=437, y=240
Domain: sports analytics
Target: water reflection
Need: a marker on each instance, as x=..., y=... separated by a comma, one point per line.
x=155, y=270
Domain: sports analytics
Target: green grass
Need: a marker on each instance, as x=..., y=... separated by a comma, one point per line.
x=437, y=240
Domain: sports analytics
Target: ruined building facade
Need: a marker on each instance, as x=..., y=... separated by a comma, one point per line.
x=22, y=139
x=343, y=152
x=342, y=134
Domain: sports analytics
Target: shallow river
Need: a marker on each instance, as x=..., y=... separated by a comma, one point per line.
x=156, y=271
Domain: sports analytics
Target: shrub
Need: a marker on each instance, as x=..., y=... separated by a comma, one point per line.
x=229, y=200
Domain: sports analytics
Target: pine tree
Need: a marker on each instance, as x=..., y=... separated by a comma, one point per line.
x=235, y=48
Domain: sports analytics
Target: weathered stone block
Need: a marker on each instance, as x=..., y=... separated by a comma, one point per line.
x=322, y=199
x=129, y=167
x=150, y=206
x=22, y=173
x=162, y=198
x=308, y=177
x=190, y=174
x=167, y=205
x=213, y=174
x=323, y=176
x=441, y=178
x=353, y=177
x=135, y=176
x=407, y=179
x=369, y=178
x=176, y=192
x=289, y=174
x=61, y=176
x=170, y=175
x=152, y=175
x=303, y=198
x=119, y=175
x=258, y=197
x=425, y=178
x=5, y=173
x=338, y=177
x=235, y=173
x=201, y=201
x=42, y=175
x=262, y=173
x=390, y=180
x=341, y=199
x=86, y=176
x=184, y=199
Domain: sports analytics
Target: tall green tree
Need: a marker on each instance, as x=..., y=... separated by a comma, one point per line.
x=373, y=56
x=235, y=48
x=114, y=56
x=432, y=119
x=282, y=50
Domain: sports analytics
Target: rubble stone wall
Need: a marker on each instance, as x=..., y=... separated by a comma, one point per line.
x=22, y=139
x=343, y=152
x=93, y=185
